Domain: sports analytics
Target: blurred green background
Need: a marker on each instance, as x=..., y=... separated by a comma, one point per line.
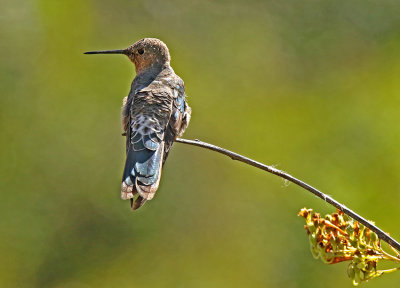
x=311, y=87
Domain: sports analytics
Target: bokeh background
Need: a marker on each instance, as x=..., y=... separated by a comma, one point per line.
x=311, y=87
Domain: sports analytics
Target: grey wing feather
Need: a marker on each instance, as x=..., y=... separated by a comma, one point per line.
x=180, y=117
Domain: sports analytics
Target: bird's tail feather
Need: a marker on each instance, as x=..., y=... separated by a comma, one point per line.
x=142, y=175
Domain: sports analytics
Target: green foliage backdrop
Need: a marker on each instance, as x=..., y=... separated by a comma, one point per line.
x=309, y=86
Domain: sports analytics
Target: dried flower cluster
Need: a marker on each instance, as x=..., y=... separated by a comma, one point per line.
x=337, y=238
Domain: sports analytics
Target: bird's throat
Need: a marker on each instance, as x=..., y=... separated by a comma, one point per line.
x=153, y=69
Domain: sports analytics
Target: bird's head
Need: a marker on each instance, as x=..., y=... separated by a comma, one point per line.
x=145, y=53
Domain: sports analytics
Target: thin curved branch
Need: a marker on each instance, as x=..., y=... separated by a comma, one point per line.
x=234, y=156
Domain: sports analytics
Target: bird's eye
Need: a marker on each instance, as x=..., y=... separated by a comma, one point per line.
x=140, y=51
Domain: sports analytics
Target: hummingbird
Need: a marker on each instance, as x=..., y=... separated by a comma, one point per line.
x=154, y=114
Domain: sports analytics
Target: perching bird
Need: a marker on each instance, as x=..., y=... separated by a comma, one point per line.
x=154, y=114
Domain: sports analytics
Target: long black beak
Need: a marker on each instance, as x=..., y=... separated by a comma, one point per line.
x=107, y=52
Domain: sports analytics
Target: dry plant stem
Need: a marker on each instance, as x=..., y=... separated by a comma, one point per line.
x=390, y=257
x=390, y=270
x=234, y=156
